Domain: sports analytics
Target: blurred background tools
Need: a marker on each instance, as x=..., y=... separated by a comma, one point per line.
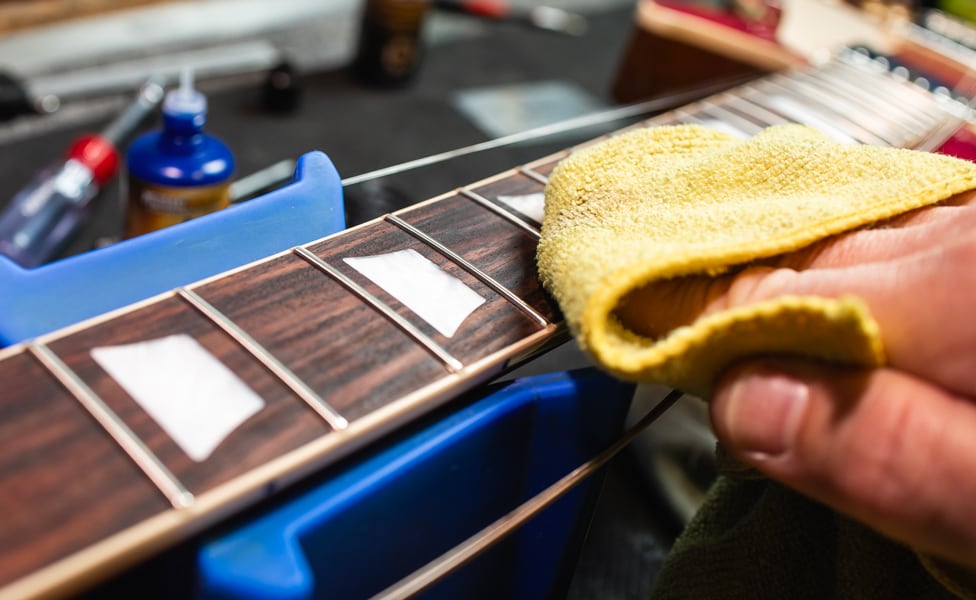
x=541, y=17
x=45, y=214
x=45, y=94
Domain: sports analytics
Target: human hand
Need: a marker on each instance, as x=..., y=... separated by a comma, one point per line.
x=894, y=447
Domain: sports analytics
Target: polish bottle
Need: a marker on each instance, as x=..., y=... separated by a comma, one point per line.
x=177, y=172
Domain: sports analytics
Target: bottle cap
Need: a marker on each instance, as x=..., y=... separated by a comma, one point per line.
x=185, y=100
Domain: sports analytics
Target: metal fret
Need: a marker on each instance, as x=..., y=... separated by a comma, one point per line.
x=872, y=132
x=720, y=112
x=452, y=364
x=668, y=118
x=470, y=268
x=795, y=107
x=796, y=112
x=920, y=87
x=685, y=117
x=936, y=117
x=255, y=349
x=534, y=175
x=908, y=94
x=476, y=197
x=880, y=97
x=167, y=483
x=739, y=103
x=868, y=102
x=885, y=93
x=935, y=138
x=703, y=118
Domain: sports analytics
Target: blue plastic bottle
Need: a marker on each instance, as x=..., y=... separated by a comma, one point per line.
x=179, y=172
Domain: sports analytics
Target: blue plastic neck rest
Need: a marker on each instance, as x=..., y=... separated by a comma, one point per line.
x=37, y=301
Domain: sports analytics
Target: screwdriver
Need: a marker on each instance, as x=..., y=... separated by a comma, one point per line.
x=43, y=216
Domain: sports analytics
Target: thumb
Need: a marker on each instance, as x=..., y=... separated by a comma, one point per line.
x=880, y=446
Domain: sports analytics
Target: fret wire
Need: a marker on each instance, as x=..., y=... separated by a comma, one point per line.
x=799, y=114
x=707, y=119
x=867, y=100
x=756, y=111
x=937, y=120
x=832, y=119
x=259, y=352
x=684, y=117
x=910, y=113
x=495, y=532
x=665, y=119
x=150, y=464
x=908, y=93
x=453, y=364
x=838, y=105
x=884, y=89
x=470, y=268
x=720, y=112
x=534, y=175
x=938, y=135
x=476, y=197
x=899, y=118
x=948, y=113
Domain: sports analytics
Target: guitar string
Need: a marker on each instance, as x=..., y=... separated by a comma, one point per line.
x=602, y=117
x=458, y=556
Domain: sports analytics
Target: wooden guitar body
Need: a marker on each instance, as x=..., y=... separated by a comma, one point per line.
x=677, y=44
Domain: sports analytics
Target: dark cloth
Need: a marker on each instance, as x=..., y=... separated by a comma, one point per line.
x=754, y=538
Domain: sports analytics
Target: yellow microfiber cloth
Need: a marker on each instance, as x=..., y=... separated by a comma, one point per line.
x=660, y=203
x=664, y=202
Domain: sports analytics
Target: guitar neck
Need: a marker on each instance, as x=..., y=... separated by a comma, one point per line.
x=93, y=476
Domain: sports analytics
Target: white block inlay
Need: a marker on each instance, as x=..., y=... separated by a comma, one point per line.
x=530, y=205
x=191, y=394
x=437, y=297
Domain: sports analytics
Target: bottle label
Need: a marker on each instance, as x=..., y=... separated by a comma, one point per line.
x=153, y=207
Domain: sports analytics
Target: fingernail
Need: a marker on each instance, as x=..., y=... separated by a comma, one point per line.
x=761, y=412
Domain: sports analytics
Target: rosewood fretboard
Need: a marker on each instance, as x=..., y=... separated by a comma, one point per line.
x=90, y=483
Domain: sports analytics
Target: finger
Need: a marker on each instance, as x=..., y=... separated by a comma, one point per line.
x=941, y=210
x=680, y=301
x=906, y=234
x=921, y=303
x=880, y=446
x=883, y=244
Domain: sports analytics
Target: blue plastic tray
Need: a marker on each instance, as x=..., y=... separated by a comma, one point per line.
x=40, y=300
x=374, y=521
